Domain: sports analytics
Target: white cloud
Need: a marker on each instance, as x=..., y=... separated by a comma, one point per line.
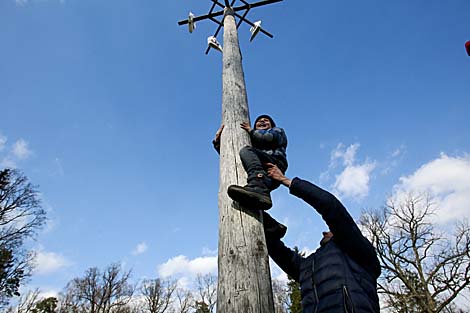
x=15, y=152
x=207, y=251
x=348, y=155
x=353, y=181
x=21, y=150
x=447, y=181
x=399, y=151
x=182, y=266
x=48, y=293
x=140, y=248
x=184, y=282
x=49, y=262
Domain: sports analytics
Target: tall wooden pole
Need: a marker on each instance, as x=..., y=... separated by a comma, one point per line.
x=244, y=281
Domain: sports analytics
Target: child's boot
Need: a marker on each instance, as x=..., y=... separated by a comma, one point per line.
x=255, y=194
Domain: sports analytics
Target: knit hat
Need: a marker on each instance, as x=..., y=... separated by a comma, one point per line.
x=265, y=116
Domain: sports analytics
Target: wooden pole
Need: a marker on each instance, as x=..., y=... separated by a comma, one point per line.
x=244, y=280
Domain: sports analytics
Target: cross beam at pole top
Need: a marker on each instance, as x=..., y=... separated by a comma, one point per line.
x=213, y=15
x=244, y=278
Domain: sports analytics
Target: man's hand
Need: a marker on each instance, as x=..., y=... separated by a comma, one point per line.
x=275, y=173
x=246, y=126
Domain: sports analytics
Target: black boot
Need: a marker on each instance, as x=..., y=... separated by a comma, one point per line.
x=254, y=195
x=272, y=227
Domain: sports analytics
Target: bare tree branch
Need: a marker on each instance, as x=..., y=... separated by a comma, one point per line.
x=423, y=270
x=21, y=216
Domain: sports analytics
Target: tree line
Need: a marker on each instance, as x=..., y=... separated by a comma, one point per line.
x=110, y=290
x=424, y=268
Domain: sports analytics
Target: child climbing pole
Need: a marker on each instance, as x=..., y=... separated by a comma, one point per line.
x=269, y=144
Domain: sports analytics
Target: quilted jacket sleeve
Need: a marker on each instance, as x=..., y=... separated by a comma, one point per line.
x=287, y=259
x=346, y=233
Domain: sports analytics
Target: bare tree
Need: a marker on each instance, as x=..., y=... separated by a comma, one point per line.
x=207, y=290
x=26, y=303
x=21, y=216
x=158, y=294
x=99, y=292
x=69, y=302
x=184, y=299
x=128, y=308
x=423, y=270
x=281, y=296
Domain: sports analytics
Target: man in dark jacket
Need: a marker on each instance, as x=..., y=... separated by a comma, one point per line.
x=341, y=275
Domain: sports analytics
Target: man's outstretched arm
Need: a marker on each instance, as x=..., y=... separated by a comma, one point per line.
x=287, y=259
x=346, y=234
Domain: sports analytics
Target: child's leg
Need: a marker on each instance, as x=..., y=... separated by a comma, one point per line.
x=256, y=192
x=253, y=161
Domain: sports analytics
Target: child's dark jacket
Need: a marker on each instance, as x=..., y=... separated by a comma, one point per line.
x=272, y=141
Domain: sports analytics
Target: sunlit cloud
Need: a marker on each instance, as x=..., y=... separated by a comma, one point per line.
x=20, y=149
x=49, y=262
x=140, y=248
x=182, y=266
x=353, y=179
x=346, y=154
x=207, y=251
x=447, y=181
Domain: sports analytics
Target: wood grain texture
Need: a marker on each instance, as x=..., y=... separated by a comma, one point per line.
x=244, y=280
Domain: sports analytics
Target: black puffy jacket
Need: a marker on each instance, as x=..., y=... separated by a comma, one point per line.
x=341, y=276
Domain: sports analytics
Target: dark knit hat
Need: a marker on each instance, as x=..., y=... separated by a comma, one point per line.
x=265, y=116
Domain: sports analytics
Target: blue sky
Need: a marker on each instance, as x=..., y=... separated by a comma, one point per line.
x=110, y=107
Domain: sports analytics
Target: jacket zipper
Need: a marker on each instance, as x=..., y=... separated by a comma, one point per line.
x=347, y=301
x=314, y=286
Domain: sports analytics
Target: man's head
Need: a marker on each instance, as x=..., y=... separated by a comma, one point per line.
x=327, y=235
x=264, y=122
